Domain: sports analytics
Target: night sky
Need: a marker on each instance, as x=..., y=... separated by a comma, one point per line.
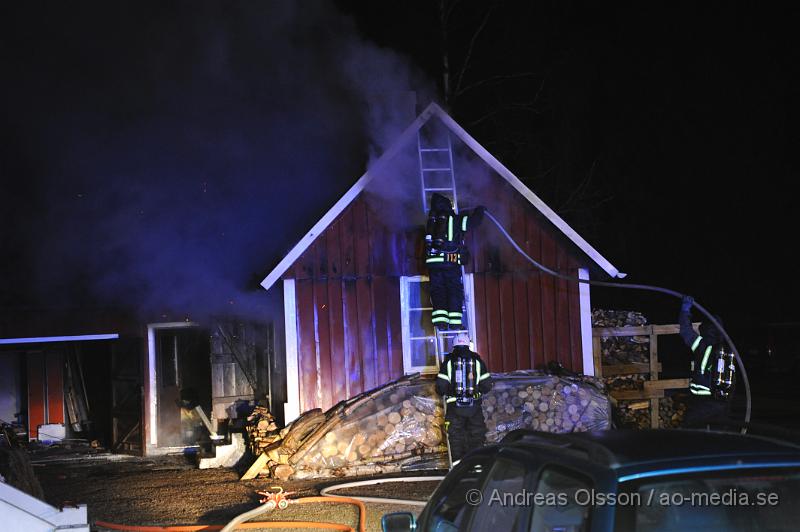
x=181, y=148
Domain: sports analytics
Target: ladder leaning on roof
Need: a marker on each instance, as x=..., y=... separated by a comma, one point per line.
x=437, y=174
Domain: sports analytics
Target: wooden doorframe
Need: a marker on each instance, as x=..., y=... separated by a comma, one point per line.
x=150, y=382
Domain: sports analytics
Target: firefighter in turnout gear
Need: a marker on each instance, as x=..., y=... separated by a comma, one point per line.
x=444, y=254
x=713, y=371
x=463, y=378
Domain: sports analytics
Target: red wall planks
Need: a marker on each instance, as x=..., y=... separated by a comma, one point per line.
x=363, y=258
x=334, y=248
x=548, y=296
x=55, y=387
x=320, y=258
x=353, y=357
x=380, y=311
x=337, y=350
x=479, y=288
x=366, y=334
x=395, y=327
x=304, y=267
x=493, y=329
x=534, y=288
x=522, y=346
x=306, y=348
x=322, y=319
x=576, y=346
x=562, y=314
x=508, y=342
x=36, y=397
x=346, y=235
x=349, y=322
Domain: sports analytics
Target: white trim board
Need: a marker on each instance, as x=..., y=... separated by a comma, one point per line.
x=586, y=322
x=480, y=151
x=291, y=408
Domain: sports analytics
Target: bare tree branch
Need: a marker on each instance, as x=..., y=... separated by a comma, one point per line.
x=510, y=107
x=471, y=47
x=449, y=11
x=497, y=79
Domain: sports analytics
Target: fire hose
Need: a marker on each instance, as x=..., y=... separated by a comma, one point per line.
x=271, y=501
x=650, y=288
x=359, y=483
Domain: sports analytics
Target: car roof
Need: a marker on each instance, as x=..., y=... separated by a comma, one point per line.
x=631, y=452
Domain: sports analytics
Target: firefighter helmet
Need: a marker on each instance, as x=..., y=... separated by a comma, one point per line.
x=461, y=339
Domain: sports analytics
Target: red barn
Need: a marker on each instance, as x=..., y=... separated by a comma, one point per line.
x=356, y=305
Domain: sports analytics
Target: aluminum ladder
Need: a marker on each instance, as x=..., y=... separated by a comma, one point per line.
x=437, y=163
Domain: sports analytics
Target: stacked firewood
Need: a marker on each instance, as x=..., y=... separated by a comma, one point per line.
x=405, y=423
x=633, y=414
x=261, y=430
x=670, y=412
x=617, y=318
x=380, y=431
x=547, y=403
x=623, y=349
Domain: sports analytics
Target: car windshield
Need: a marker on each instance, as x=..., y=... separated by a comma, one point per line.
x=767, y=500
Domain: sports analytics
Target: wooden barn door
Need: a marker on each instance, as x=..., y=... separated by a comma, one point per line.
x=127, y=396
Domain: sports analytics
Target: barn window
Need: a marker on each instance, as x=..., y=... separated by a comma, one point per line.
x=422, y=350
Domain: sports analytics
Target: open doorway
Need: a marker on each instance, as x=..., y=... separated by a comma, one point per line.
x=179, y=381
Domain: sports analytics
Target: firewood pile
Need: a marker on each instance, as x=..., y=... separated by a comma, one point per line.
x=623, y=349
x=633, y=414
x=393, y=428
x=538, y=401
x=626, y=350
x=670, y=413
x=400, y=426
x=261, y=430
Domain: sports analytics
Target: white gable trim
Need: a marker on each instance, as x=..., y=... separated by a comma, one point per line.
x=549, y=213
x=344, y=201
x=488, y=158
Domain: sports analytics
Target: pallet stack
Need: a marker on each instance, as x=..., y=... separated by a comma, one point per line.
x=626, y=356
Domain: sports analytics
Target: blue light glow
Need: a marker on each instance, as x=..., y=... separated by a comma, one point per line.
x=48, y=339
x=697, y=469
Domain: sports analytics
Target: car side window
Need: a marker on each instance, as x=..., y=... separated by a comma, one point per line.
x=500, y=507
x=560, y=492
x=452, y=509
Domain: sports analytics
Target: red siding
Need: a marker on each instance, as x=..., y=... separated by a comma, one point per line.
x=352, y=360
x=548, y=299
x=534, y=286
x=348, y=296
x=367, y=334
x=306, y=348
x=563, y=338
x=36, y=398
x=323, y=331
x=55, y=387
x=338, y=353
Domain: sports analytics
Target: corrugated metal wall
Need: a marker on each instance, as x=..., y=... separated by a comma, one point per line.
x=348, y=297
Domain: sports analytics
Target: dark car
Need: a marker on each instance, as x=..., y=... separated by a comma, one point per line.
x=656, y=480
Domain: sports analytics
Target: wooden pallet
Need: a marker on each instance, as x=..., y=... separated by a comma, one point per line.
x=654, y=387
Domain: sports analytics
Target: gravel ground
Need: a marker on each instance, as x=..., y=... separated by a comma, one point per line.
x=171, y=491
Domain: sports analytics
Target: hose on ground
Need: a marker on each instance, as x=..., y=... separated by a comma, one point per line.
x=240, y=519
x=238, y=522
x=631, y=286
x=372, y=482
